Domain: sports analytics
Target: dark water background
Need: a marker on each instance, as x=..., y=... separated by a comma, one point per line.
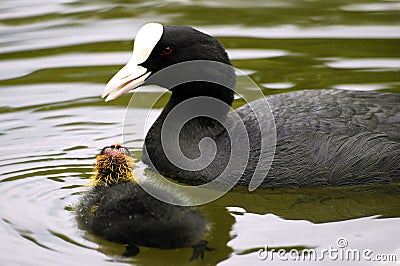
x=55, y=58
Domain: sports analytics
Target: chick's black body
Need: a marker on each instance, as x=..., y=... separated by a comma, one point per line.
x=117, y=209
x=126, y=214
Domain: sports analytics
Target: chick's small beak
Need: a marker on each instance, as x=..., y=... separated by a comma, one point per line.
x=129, y=77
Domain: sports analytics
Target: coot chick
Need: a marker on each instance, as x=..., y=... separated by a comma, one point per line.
x=323, y=137
x=117, y=209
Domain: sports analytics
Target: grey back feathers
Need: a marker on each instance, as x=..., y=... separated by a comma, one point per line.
x=323, y=138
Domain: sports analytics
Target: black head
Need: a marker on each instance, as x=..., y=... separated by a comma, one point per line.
x=181, y=44
x=159, y=47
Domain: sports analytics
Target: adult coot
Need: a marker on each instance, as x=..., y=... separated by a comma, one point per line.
x=117, y=209
x=323, y=137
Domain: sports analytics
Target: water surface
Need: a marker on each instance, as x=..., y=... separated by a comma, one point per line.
x=56, y=57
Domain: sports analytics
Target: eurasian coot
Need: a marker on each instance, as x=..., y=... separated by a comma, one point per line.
x=117, y=209
x=323, y=137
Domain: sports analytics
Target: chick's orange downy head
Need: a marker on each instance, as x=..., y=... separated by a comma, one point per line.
x=114, y=165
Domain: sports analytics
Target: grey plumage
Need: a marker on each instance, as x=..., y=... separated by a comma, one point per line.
x=323, y=138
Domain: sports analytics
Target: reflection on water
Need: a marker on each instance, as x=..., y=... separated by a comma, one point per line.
x=56, y=57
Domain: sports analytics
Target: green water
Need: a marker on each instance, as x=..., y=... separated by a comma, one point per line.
x=55, y=58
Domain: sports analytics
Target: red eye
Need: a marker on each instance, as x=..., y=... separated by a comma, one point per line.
x=167, y=50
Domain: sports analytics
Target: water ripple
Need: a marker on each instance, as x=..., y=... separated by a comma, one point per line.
x=56, y=57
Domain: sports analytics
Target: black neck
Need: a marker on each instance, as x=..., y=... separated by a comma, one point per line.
x=203, y=101
x=214, y=107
